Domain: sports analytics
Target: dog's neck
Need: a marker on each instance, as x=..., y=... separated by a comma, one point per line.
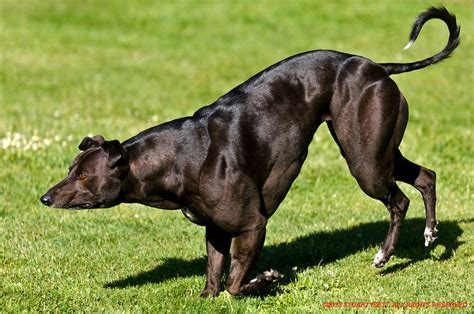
x=155, y=176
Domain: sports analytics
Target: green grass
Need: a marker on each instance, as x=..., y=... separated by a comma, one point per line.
x=73, y=68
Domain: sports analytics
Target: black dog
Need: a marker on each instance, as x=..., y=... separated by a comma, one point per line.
x=230, y=165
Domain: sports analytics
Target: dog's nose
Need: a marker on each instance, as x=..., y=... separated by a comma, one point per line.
x=46, y=200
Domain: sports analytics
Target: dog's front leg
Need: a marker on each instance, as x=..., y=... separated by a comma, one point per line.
x=217, y=245
x=245, y=250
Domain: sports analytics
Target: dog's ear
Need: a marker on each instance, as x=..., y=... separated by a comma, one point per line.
x=89, y=142
x=117, y=155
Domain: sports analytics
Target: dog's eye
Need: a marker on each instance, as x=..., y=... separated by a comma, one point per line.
x=82, y=176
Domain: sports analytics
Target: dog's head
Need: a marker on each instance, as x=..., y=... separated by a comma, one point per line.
x=94, y=179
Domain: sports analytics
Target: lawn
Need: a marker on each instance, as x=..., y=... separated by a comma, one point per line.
x=76, y=68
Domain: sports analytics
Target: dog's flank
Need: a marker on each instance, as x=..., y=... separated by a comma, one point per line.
x=230, y=165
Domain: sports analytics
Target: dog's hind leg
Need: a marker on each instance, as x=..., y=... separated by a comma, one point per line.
x=377, y=181
x=369, y=129
x=424, y=180
x=397, y=205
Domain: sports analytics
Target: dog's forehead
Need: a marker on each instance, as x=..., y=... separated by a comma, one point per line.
x=90, y=157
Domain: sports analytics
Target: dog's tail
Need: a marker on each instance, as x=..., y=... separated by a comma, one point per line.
x=453, y=41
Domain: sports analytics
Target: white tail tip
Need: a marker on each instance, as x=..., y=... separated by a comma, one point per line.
x=409, y=44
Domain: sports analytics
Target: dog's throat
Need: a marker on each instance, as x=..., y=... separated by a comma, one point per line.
x=191, y=217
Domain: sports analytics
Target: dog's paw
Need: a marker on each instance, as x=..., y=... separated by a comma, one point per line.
x=380, y=259
x=431, y=234
x=272, y=275
x=267, y=277
x=209, y=293
x=262, y=280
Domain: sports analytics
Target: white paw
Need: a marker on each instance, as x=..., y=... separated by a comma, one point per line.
x=431, y=234
x=379, y=259
x=272, y=275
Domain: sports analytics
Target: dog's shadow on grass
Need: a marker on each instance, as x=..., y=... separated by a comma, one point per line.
x=319, y=248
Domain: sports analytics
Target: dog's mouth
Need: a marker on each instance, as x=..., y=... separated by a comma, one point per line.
x=79, y=206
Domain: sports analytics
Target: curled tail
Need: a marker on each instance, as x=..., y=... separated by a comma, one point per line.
x=453, y=41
